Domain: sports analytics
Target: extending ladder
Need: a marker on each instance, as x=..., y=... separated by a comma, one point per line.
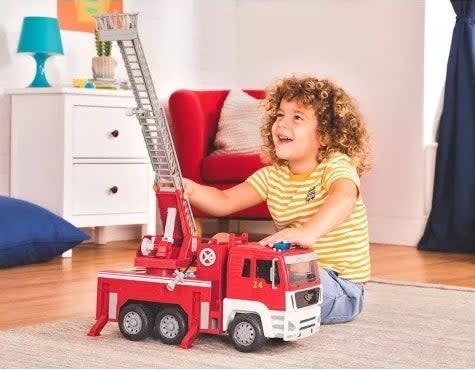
x=122, y=27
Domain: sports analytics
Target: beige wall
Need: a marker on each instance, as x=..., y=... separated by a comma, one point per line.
x=389, y=54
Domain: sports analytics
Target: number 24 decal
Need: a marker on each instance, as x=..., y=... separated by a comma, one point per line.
x=257, y=284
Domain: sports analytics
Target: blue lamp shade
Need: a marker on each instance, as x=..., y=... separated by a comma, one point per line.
x=41, y=37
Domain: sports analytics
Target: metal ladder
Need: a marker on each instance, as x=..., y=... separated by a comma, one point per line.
x=122, y=27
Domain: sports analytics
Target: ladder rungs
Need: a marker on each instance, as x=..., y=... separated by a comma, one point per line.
x=153, y=119
x=157, y=145
x=161, y=161
x=154, y=123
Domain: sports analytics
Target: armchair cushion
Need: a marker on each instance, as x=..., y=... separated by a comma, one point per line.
x=238, y=125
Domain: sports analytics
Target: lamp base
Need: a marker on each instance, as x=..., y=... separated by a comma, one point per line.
x=40, y=77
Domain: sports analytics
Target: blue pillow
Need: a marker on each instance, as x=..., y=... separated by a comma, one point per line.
x=30, y=233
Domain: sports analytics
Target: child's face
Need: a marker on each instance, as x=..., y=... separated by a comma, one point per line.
x=295, y=137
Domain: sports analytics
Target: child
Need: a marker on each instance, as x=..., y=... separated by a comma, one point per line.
x=317, y=145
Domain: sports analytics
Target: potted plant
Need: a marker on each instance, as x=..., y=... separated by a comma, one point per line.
x=103, y=65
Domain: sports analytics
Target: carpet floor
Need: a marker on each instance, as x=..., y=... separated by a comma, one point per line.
x=401, y=327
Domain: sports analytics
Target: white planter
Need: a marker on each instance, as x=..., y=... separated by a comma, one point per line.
x=103, y=67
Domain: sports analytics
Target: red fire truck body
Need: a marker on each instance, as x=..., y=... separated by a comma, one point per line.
x=234, y=287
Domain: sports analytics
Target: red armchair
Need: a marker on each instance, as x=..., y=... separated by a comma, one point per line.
x=194, y=119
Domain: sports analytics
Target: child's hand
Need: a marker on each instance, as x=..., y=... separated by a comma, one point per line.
x=188, y=186
x=221, y=237
x=296, y=235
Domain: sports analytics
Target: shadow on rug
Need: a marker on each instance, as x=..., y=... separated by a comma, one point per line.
x=401, y=327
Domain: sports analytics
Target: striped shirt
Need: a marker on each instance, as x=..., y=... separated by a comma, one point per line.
x=294, y=199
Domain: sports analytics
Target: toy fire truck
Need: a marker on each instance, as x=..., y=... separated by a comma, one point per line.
x=184, y=284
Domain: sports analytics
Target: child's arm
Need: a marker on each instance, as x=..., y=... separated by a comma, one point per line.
x=219, y=203
x=336, y=209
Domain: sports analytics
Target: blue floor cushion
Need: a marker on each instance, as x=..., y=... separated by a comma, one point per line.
x=30, y=233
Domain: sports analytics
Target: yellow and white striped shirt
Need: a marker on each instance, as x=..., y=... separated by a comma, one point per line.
x=293, y=199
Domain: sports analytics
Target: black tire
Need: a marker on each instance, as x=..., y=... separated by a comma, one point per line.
x=170, y=325
x=246, y=333
x=136, y=321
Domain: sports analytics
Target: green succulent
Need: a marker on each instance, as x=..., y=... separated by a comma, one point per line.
x=103, y=48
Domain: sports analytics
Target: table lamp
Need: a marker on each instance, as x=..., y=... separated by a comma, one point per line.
x=41, y=37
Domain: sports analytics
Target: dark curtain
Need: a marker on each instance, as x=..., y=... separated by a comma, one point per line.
x=451, y=225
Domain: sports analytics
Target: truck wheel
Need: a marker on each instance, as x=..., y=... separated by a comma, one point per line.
x=246, y=333
x=170, y=325
x=136, y=321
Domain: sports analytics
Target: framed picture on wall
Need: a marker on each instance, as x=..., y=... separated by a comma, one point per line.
x=78, y=15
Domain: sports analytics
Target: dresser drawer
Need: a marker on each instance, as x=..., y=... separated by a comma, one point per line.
x=106, y=188
x=106, y=132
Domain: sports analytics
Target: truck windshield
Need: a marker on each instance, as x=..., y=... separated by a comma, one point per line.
x=302, y=272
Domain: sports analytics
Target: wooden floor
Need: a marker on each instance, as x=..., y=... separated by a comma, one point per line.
x=66, y=287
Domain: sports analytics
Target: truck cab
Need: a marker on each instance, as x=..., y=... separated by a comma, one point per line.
x=259, y=292
x=282, y=289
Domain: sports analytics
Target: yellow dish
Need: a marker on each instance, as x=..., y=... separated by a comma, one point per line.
x=79, y=82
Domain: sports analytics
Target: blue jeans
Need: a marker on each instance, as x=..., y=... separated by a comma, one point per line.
x=342, y=299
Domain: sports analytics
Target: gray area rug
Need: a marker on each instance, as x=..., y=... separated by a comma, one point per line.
x=401, y=327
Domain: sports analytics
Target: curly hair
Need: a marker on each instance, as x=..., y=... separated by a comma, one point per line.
x=340, y=124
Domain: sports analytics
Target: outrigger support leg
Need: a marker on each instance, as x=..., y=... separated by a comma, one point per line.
x=98, y=326
x=194, y=328
x=187, y=341
x=104, y=313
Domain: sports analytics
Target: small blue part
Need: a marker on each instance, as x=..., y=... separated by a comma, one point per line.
x=89, y=85
x=281, y=246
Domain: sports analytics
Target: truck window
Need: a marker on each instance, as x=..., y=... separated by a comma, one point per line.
x=246, y=268
x=263, y=271
x=302, y=272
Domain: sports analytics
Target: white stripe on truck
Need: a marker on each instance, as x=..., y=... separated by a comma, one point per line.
x=153, y=279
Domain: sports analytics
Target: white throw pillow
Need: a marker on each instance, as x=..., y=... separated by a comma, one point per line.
x=238, y=125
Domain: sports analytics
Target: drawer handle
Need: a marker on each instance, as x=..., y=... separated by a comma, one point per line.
x=114, y=189
x=115, y=133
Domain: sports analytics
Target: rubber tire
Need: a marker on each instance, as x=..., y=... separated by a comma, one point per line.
x=180, y=320
x=145, y=316
x=252, y=322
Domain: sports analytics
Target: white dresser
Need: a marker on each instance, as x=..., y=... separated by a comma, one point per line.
x=76, y=153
